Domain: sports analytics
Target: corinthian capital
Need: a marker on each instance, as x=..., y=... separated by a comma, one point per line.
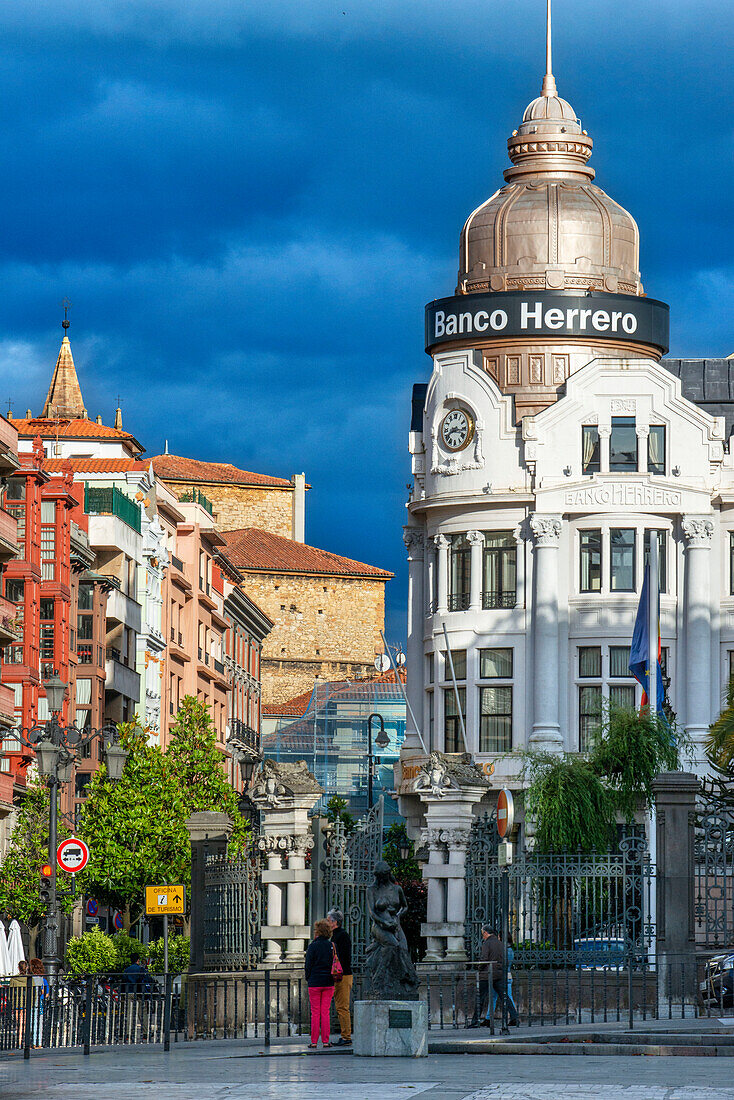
x=698, y=530
x=546, y=529
x=415, y=540
x=441, y=542
x=474, y=537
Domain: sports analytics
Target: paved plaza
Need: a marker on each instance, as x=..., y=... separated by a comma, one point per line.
x=229, y=1071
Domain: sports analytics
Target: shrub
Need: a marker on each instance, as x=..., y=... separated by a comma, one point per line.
x=178, y=954
x=91, y=953
x=126, y=946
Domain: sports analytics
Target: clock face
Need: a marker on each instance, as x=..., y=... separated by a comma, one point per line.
x=457, y=429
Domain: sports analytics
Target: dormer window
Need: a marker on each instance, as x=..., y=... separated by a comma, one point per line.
x=590, y=450
x=623, y=445
x=656, y=449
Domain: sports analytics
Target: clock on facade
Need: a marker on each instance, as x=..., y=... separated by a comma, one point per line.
x=457, y=429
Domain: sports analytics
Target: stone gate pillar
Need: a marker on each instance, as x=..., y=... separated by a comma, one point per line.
x=449, y=785
x=209, y=833
x=284, y=794
x=675, y=806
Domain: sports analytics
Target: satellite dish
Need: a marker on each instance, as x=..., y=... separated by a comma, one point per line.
x=400, y=660
x=382, y=662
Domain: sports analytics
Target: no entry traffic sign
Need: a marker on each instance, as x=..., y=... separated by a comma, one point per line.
x=72, y=855
x=505, y=813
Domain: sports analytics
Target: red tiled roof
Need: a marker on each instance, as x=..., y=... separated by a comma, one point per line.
x=297, y=707
x=78, y=428
x=258, y=551
x=94, y=465
x=177, y=468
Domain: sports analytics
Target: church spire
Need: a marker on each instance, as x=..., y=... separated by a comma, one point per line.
x=64, y=394
x=549, y=81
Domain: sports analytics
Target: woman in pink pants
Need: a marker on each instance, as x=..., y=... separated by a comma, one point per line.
x=319, y=961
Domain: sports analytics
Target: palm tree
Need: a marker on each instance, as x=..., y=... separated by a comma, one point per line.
x=720, y=740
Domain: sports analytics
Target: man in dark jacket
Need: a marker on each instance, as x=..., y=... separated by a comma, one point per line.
x=342, y=988
x=480, y=1005
x=496, y=956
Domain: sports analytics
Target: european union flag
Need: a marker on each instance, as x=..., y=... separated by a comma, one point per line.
x=640, y=648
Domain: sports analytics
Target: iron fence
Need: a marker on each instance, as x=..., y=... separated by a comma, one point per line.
x=713, y=848
x=232, y=912
x=349, y=869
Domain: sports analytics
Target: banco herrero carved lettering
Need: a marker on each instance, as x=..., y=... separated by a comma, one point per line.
x=624, y=495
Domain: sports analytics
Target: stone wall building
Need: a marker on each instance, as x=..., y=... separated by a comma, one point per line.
x=328, y=610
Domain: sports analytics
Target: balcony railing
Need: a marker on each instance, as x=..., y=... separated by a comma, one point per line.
x=492, y=600
x=195, y=496
x=112, y=502
x=113, y=654
x=459, y=601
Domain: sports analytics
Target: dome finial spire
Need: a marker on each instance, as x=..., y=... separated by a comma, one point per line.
x=549, y=82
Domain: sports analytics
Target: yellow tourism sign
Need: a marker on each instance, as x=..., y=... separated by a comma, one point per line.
x=164, y=900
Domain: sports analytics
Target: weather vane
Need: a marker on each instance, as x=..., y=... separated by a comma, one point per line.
x=66, y=306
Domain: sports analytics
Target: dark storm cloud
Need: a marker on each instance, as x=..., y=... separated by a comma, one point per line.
x=250, y=204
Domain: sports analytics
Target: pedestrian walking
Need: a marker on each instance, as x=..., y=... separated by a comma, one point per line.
x=343, y=986
x=510, y=960
x=483, y=990
x=40, y=989
x=499, y=978
x=18, y=987
x=319, y=966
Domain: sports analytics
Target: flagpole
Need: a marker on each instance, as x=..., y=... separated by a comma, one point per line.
x=653, y=592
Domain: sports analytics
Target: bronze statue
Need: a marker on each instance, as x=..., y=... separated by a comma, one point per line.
x=389, y=968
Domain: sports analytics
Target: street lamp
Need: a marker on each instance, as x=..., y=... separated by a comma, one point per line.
x=56, y=747
x=249, y=760
x=404, y=846
x=382, y=741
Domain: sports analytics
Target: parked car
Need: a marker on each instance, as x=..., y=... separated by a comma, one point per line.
x=717, y=987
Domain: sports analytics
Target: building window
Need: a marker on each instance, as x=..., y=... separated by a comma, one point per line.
x=453, y=741
x=656, y=449
x=429, y=662
x=622, y=559
x=590, y=450
x=662, y=557
x=458, y=656
x=495, y=664
x=459, y=573
x=13, y=655
x=47, y=642
x=622, y=695
x=48, y=541
x=46, y=609
x=85, y=601
x=431, y=719
x=589, y=715
x=18, y=513
x=589, y=661
x=623, y=444
x=590, y=544
x=619, y=661
x=495, y=719
x=499, y=570
x=15, y=489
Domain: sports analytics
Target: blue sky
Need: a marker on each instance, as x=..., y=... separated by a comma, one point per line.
x=250, y=204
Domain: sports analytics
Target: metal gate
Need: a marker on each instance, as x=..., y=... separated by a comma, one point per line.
x=564, y=910
x=713, y=846
x=232, y=912
x=348, y=871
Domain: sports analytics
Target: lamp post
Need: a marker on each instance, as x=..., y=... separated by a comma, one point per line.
x=56, y=746
x=249, y=760
x=382, y=741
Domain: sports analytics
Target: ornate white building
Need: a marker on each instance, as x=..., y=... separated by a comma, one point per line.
x=551, y=443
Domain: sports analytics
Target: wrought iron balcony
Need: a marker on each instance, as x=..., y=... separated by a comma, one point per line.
x=495, y=599
x=459, y=601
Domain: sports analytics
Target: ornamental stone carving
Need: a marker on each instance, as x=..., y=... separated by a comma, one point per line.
x=546, y=529
x=448, y=771
x=454, y=839
x=440, y=542
x=415, y=541
x=474, y=537
x=434, y=776
x=277, y=782
x=698, y=531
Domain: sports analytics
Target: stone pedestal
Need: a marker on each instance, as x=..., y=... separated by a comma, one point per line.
x=449, y=786
x=675, y=807
x=284, y=794
x=390, y=1029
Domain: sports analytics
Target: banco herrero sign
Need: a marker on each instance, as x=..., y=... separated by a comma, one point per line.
x=597, y=316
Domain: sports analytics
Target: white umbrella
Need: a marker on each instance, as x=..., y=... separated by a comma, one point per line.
x=15, y=947
x=5, y=971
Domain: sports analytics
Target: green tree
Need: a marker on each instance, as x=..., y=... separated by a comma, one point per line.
x=136, y=829
x=91, y=953
x=408, y=873
x=20, y=879
x=632, y=748
x=336, y=810
x=720, y=739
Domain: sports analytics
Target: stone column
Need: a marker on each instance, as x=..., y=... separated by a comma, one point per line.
x=698, y=532
x=675, y=805
x=642, y=434
x=415, y=541
x=546, y=731
x=476, y=538
x=449, y=786
x=284, y=794
x=442, y=595
x=605, y=433
x=209, y=833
